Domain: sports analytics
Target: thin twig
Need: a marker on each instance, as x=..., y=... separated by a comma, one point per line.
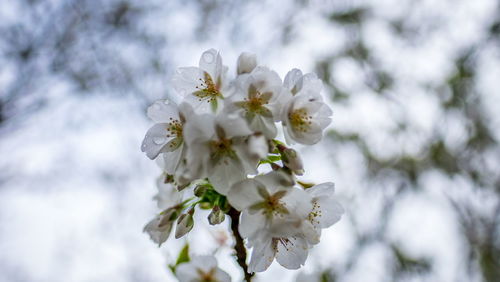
x=239, y=247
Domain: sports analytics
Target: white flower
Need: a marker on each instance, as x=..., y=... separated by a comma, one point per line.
x=246, y=63
x=304, y=118
x=166, y=135
x=205, y=85
x=326, y=209
x=218, y=149
x=270, y=202
x=201, y=269
x=296, y=82
x=257, y=99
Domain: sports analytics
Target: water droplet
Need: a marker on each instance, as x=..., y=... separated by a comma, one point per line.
x=159, y=140
x=208, y=57
x=167, y=102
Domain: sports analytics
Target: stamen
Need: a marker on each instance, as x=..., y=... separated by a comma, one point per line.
x=300, y=120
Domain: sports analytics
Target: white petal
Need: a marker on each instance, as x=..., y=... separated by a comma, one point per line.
x=250, y=224
x=247, y=160
x=292, y=252
x=244, y=194
x=172, y=159
x=293, y=79
x=327, y=210
x=233, y=125
x=162, y=110
x=185, y=111
x=311, y=234
x=262, y=256
x=275, y=180
x=246, y=63
x=211, y=62
x=331, y=211
x=298, y=202
x=199, y=106
x=268, y=77
x=311, y=83
x=326, y=189
x=186, y=272
x=264, y=125
x=199, y=128
x=224, y=174
x=155, y=140
x=222, y=276
x=204, y=263
x=257, y=146
x=186, y=80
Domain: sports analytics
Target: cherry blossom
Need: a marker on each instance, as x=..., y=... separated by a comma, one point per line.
x=201, y=269
x=304, y=118
x=218, y=149
x=203, y=86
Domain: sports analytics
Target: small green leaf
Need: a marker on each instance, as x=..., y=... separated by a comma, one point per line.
x=183, y=255
x=271, y=159
x=182, y=258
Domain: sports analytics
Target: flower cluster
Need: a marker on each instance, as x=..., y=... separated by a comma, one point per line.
x=218, y=138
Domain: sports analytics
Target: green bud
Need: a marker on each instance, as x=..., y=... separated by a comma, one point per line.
x=292, y=160
x=199, y=190
x=217, y=216
x=185, y=223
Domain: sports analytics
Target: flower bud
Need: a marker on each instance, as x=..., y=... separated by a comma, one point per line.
x=246, y=63
x=292, y=160
x=199, y=190
x=184, y=224
x=216, y=216
x=159, y=227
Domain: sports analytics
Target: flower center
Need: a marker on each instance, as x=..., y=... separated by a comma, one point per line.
x=315, y=214
x=256, y=101
x=300, y=120
x=208, y=90
x=285, y=242
x=221, y=148
x=174, y=128
x=207, y=276
x=271, y=206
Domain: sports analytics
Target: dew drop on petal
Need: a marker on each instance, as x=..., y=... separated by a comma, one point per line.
x=208, y=57
x=159, y=140
x=167, y=102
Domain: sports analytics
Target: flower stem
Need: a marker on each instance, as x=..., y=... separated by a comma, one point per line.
x=239, y=247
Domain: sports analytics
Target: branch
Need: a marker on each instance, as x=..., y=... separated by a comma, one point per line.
x=239, y=247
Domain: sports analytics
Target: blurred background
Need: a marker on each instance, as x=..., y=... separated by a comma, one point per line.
x=413, y=147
